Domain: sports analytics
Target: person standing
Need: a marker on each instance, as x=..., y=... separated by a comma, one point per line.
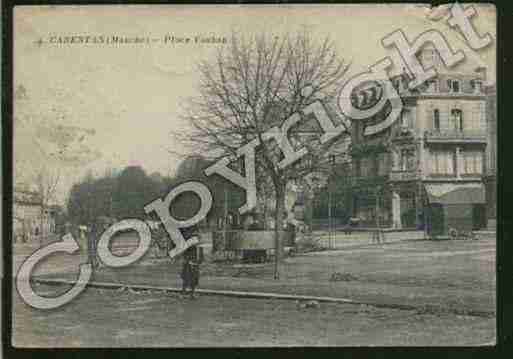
x=91, y=245
x=190, y=271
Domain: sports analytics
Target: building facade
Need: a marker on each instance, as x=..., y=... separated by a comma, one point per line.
x=30, y=219
x=491, y=167
x=427, y=169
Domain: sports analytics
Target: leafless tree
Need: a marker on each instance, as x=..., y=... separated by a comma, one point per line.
x=47, y=146
x=47, y=181
x=253, y=84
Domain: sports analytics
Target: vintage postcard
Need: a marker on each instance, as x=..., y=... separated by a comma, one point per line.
x=254, y=175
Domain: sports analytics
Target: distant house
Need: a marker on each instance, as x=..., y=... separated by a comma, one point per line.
x=30, y=219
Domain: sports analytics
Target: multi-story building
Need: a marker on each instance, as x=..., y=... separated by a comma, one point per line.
x=491, y=166
x=427, y=168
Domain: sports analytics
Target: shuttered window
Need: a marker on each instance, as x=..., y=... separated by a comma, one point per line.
x=436, y=119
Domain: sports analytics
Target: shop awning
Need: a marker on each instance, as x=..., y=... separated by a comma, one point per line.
x=451, y=193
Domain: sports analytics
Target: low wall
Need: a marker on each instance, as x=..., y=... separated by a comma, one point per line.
x=342, y=240
x=235, y=240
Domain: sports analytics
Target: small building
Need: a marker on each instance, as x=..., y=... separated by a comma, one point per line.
x=30, y=219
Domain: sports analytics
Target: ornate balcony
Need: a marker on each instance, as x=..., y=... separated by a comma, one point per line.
x=454, y=136
x=371, y=180
x=400, y=176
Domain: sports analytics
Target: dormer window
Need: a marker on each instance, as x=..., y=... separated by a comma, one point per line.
x=432, y=86
x=453, y=85
x=477, y=85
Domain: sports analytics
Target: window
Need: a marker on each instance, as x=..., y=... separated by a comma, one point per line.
x=453, y=85
x=397, y=84
x=442, y=162
x=357, y=167
x=407, y=160
x=406, y=118
x=457, y=119
x=366, y=167
x=476, y=85
x=456, y=86
x=383, y=163
x=436, y=119
x=432, y=86
x=472, y=162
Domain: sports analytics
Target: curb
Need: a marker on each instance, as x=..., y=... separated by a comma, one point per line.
x=229, y=293
x=358, y=246
x=264, y=295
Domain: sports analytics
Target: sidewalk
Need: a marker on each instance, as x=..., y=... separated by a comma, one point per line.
x=439, y=276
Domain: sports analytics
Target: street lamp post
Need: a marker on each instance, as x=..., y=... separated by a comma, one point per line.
x=225, y=219
x=329, y=216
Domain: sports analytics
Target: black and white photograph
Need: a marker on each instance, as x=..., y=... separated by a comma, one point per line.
x=287, y=175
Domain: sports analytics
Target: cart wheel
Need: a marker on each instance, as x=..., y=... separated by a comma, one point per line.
x=453, y=233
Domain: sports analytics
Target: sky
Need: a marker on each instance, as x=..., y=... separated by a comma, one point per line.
x=132, y=94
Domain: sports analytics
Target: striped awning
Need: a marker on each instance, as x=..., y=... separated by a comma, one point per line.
x=451, y=193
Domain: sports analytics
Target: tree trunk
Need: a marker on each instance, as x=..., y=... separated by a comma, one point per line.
x=279, y=216
x=41, y=222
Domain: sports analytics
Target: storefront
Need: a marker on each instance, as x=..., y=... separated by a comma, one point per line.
x=458, y=206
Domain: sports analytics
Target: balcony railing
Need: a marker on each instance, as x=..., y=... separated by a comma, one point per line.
x=370, y=179
x=477, y=136
x=403, y=175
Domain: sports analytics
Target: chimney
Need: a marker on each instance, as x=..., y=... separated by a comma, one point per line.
x=481, y=72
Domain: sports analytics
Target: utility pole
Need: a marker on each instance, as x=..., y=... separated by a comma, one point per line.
x=330, y=174
x=225, y=219
x=329, y=214
x=378, y=228
x=276, y=254
x=41, y=223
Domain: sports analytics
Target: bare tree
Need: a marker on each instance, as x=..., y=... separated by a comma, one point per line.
x=46, y=147
x=253, y=84
x=47, y=181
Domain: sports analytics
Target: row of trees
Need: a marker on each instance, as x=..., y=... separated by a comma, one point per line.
x=124, y=194
x=121, y=195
